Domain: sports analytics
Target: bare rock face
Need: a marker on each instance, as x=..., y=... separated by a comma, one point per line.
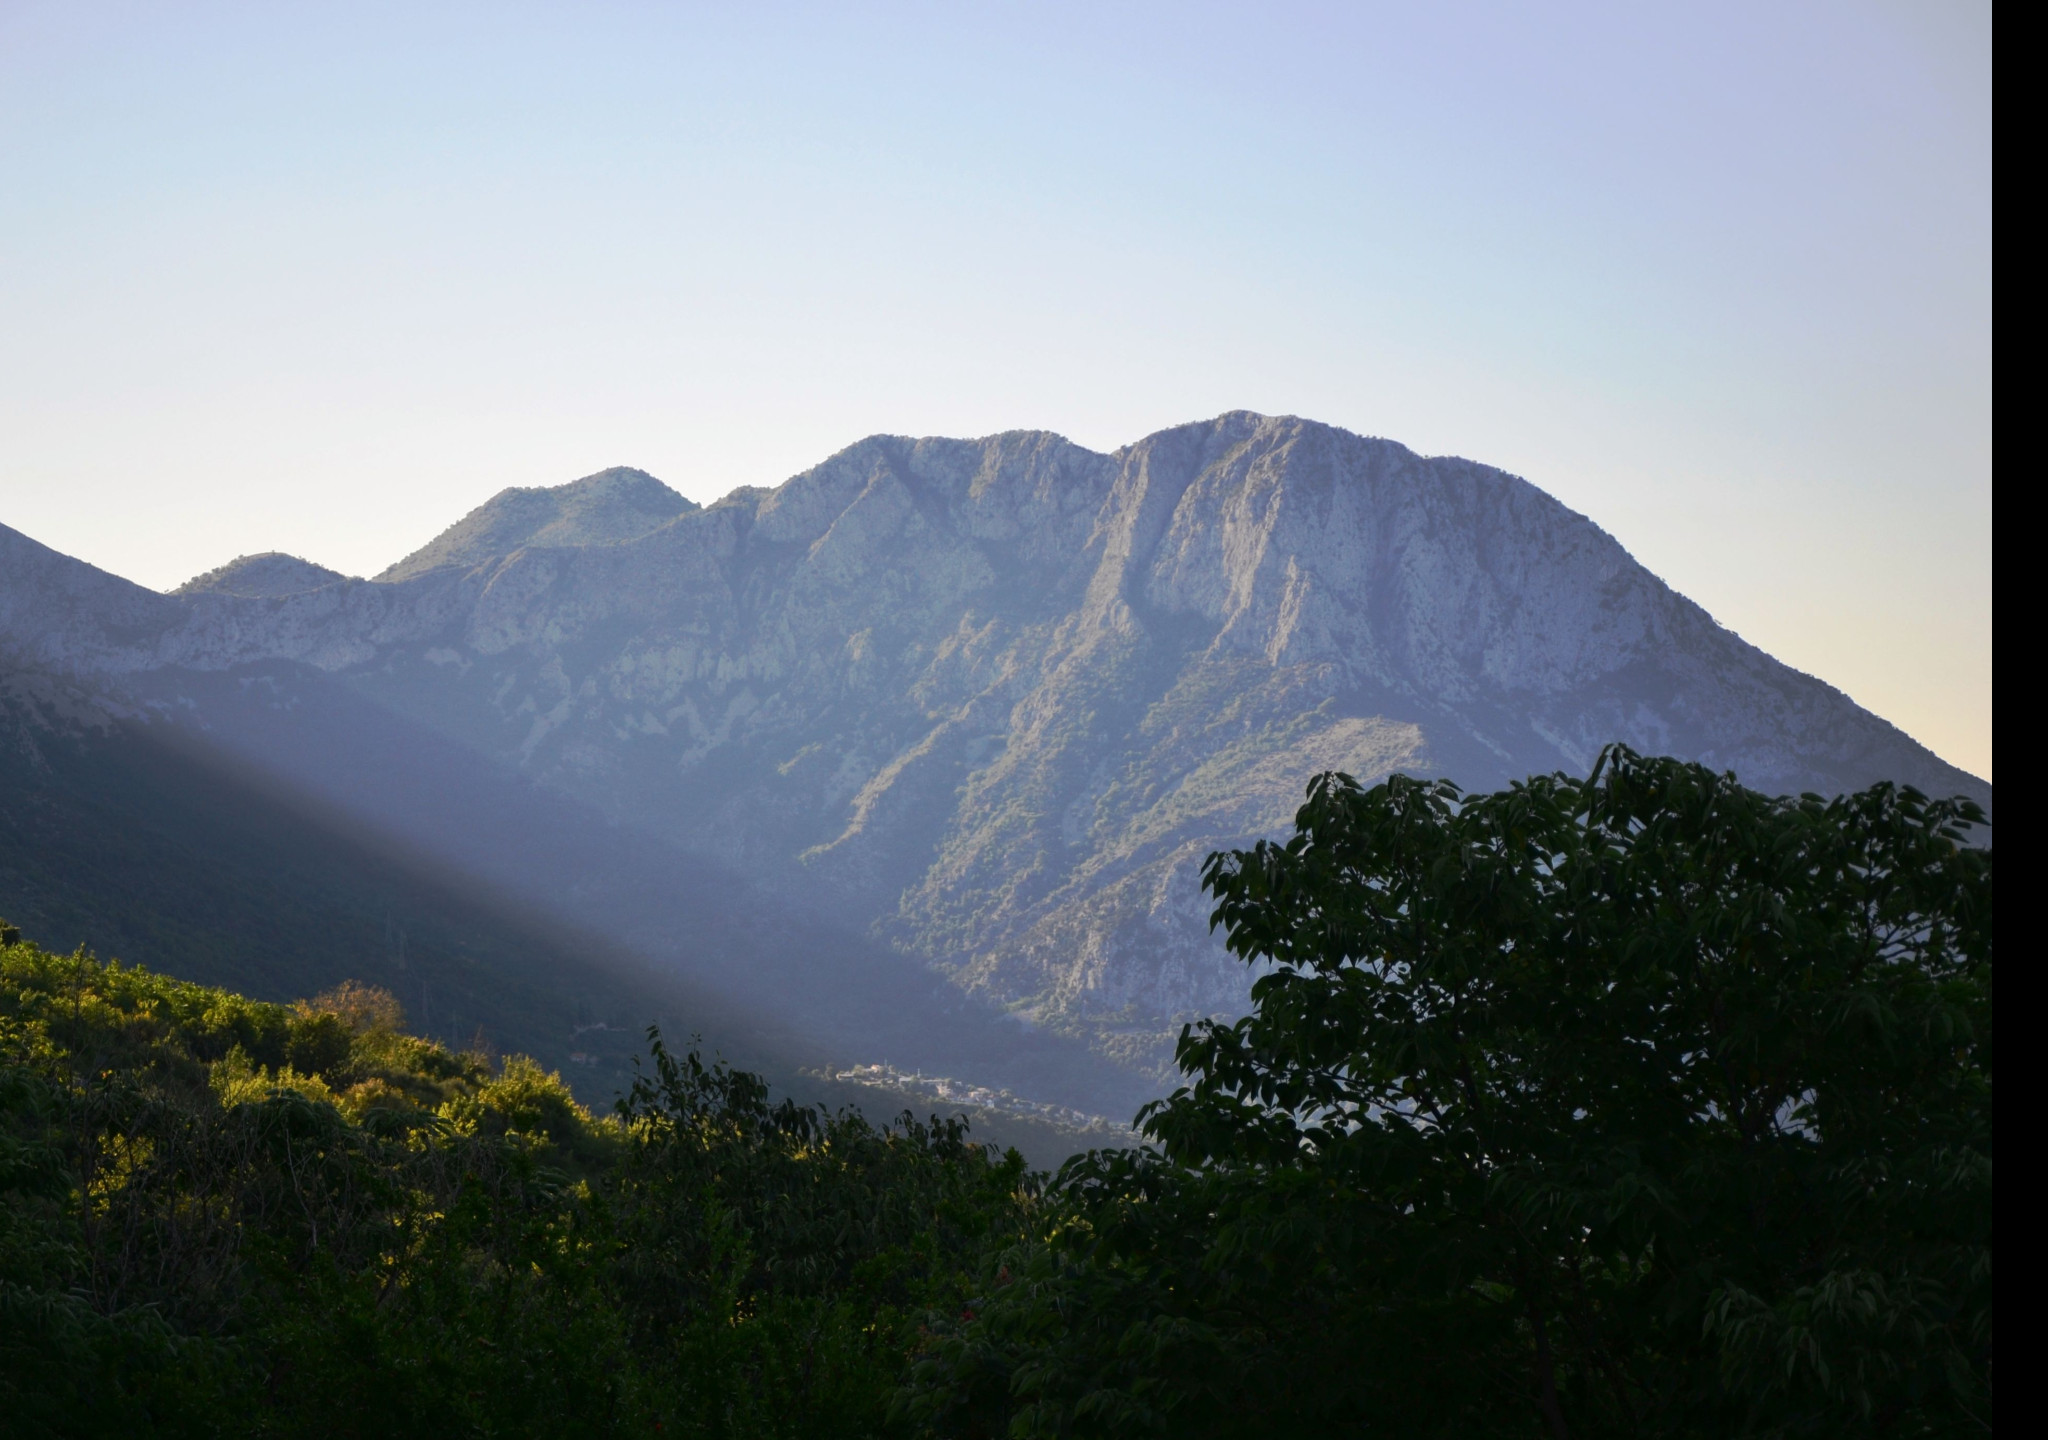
x=994, y=700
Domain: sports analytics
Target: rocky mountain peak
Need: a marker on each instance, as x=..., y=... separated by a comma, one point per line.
x=992, y=701
x=269, y=575
x=606, y=508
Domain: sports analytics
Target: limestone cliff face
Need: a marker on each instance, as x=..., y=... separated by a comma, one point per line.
x=997, y=699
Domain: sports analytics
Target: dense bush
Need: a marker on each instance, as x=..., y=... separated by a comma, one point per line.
x=224, y=1217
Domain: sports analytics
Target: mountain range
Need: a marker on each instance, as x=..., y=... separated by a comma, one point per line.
x=920, y=752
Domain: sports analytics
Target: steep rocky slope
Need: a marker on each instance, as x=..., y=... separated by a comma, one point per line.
x=992, y=701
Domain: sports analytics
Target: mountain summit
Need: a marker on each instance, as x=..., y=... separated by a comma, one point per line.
x=272, y=573
x=602, y=509
x=989, y=703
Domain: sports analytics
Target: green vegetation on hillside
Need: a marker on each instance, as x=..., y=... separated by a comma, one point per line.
x=219, y=1216
x=1634, y=1105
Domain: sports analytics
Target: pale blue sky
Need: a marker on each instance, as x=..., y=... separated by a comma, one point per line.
x=321, y=278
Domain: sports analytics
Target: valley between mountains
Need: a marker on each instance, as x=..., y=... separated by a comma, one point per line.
x=920, y=752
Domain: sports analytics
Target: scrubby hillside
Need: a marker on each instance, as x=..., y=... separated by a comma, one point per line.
x=221, y=1216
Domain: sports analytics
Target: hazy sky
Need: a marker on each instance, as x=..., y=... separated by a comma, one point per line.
x=321, y=278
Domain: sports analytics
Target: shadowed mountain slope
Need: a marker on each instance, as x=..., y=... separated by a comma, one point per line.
x=989, y=703
x=145, y=841
x=131, y=840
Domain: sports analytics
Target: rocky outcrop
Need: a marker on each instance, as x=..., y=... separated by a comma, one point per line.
x=996, y=699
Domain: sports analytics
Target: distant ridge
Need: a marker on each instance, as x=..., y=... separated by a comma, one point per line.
x=987, y=704
x=613, y=505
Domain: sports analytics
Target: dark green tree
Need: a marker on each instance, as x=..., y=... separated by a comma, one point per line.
x=1637, y=1104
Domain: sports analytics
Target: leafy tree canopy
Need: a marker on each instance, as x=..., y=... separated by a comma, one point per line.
x=1637, y=1104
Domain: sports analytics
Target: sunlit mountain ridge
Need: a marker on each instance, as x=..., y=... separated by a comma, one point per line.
x=981, y=706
